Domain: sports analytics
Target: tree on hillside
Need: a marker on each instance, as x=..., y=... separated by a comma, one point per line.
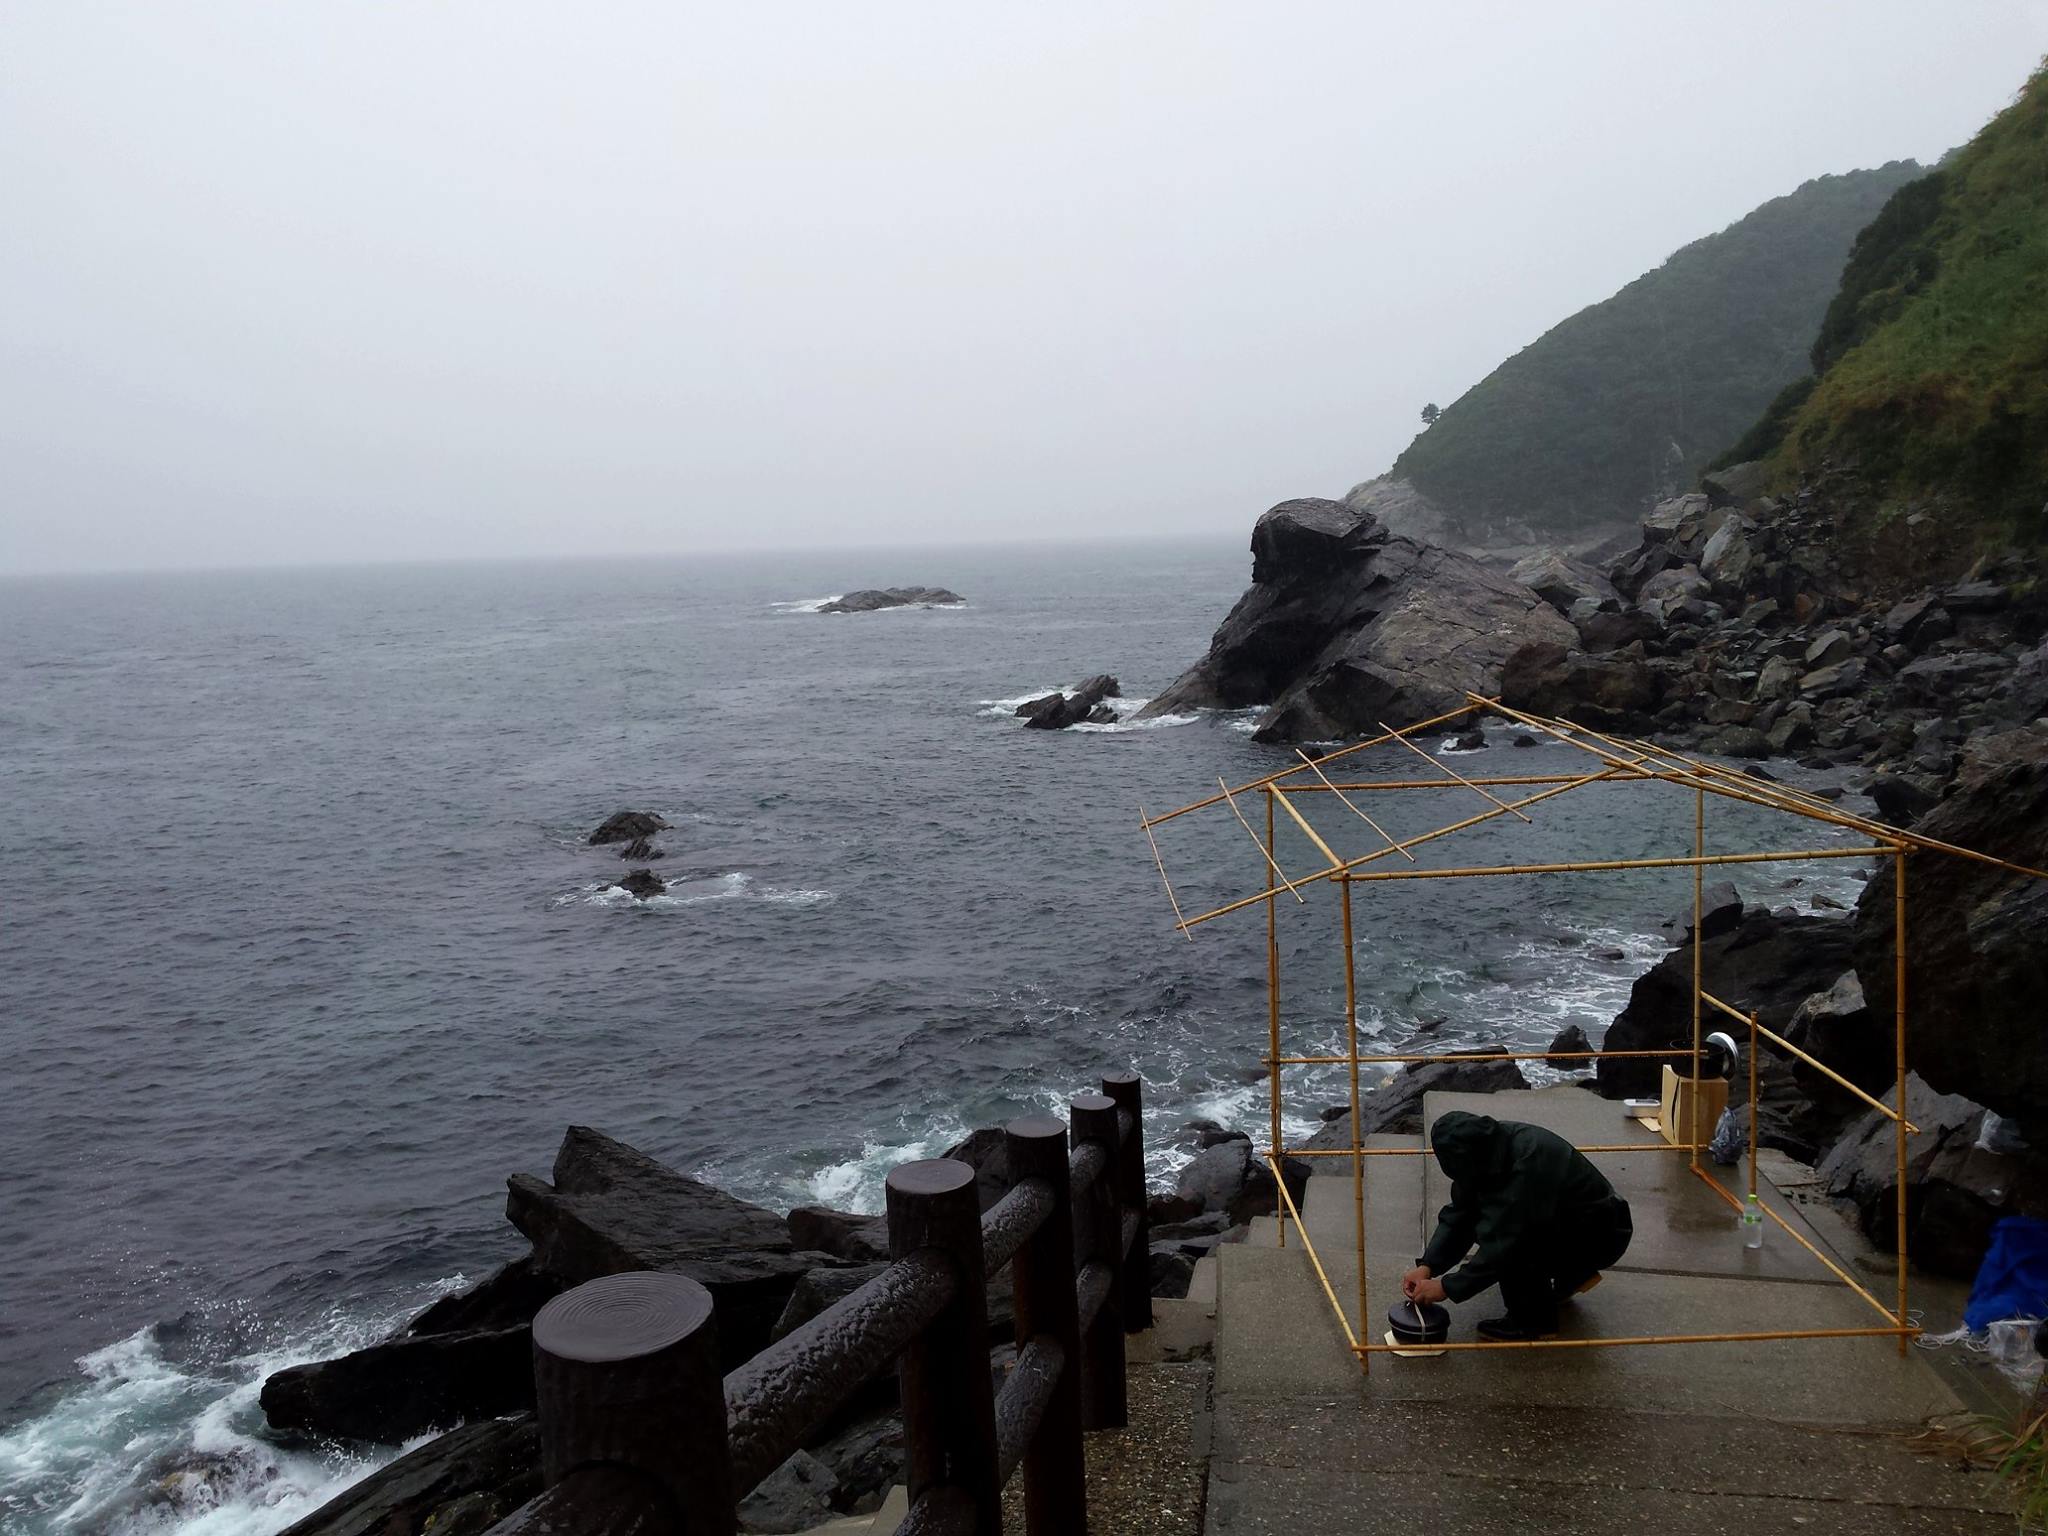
x=1430, y=414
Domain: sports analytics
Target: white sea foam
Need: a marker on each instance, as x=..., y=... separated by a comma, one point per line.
x=683, y=893
x=856, y=1184
x=806, y=604
x=1125, y=710
x=192, y=1428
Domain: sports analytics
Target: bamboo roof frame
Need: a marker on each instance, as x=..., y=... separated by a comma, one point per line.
x=1615, y=759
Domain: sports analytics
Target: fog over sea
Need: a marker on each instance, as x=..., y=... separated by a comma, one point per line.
x=304, y=950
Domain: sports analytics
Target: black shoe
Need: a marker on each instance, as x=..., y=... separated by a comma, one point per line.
x=1509, y=1330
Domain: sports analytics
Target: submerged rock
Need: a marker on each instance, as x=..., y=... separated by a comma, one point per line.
x=641, y=884
x=624, y=826
x=868, y=599
x=1347, y=624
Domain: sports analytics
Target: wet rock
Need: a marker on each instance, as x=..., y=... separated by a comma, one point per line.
x=869, y=599
x=1562, y=581
x=794, y=1497
x=1164, y=1210
x=818, y=1290
x=1347, y=624
x=1260, y=1196
x=1572, y=1038
x=1216, y=1176
x=612, y=1208
x=858, y=1239
x=1469, y=741
x=865, y=1455
x=642, y=848
x=1903, y=798
x=1602, y=632
x=1838, y=1027
x=489, y=1468
x=984, y=1150
x=641, y=884
x=1396, y=1104
x=1729, y=556
x=1207, y=1139
x=1828, y=647
x=1977, y=967
x=1057, y=711
x=1548, y=679
x=624, y=826
x=505, y=1299
x=1524, y=739
x=1955, y=1189
x=405, y=1387
x=1171, y=1271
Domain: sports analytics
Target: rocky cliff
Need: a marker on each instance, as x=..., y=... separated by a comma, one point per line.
x=1347, y=624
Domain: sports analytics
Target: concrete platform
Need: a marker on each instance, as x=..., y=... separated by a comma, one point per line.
x=1796, y=1434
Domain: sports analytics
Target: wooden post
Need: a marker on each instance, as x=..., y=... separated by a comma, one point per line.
x=1102, y=1346
x=1127, y=1090
x=1055, y=1476
x=625, y=1372
x=949, y=1418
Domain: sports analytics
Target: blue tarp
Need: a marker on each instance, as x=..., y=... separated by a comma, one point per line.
x=2013, y=1279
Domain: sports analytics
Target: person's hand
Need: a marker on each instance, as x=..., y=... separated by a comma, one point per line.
x=1418, y=1276
x=1428, y=1290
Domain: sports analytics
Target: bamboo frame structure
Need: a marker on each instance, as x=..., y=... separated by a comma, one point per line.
x=1615, y=760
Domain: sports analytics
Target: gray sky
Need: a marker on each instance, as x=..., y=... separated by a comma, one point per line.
x=322, y=281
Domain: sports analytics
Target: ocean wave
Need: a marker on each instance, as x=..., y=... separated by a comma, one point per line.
x=697, y=891
x=151, y=1445
x=806, y=604
x=1125, y=709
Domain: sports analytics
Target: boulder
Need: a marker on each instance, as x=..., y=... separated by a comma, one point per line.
x=1768, y=963
x=505, y=1299
x=1729, y=556
x=1572, y=1038
x=624, y=826
x=1608, y=630
x=857, y=1239
x=1169, y=1270
x=983, y=1150
x=1977, y=968
x=865, y=1454
x=1838, y=1027
x=612, y=1208
x=868, y=599
x=1668, y=588
x=1347, y=624
x=1779, y=679
x=1057, y=711
x=1736, y=484
x=1473, y=740
x=1616, y=690
x=1955, y=1188
x=1217, y=1176
x=1939, y=680
x=1396, y=1105
x=1827, y=648
x=642, y=848
x=405, y=1387
x=1903, y=798
x=819, y=1289
x=641, y=884
x=1562, y=581
x=1260, y=1196
x=486, y=1470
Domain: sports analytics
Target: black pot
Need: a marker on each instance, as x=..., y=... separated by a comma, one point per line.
x=1433, y=1328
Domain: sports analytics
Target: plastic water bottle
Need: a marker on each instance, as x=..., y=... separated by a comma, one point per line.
x=1752, y=1223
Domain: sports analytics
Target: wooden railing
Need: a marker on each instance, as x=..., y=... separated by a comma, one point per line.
x=641, y=1437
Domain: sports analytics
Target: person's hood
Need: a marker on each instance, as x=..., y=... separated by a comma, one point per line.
x=1468, y=1147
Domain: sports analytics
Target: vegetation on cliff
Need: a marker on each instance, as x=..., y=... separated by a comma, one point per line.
x=1931, y=365
x=1629, y=399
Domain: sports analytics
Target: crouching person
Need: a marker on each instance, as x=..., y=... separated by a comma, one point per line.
x=1544, y=1219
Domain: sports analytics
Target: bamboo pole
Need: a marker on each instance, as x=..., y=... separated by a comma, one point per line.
x=1627, y=1146
x=1273, y=994
x=1316, y=1263
x=1438, y=764
x=1334, y=1061
x=1357, y=1140
x=1594, y=866
x=1273, y=793
x=1799, y=1237
x=1171, y=900
x=1899, y=1044
x=1271, y=862
x=1752, y=1107
x=1822, y=1067
x=1346, y=799
x=1902, y=1334
x=1699, y=875
x=1491, y=780
x=1414, y=842
x=1327, y=757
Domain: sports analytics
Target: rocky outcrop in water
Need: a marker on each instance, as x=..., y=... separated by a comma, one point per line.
x=462, y=1484
x=1395, y=1106
x=405, y=1387
x=627, y=826
x=869, y=599
x=1347, y=624
x=1057, y=711
x=641, y=884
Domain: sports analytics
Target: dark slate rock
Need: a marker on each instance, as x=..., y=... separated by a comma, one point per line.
x=1217, y=1176
x=404, y=1387
x=869, y=599
x=624, y=826
x=1903, y=798
x=641, y=884
x=1396, y=1105
x=794, y=1497
x=1572, y=1038
x=489, y=1469
x=505, y=1299
x=983, y=1150
x=820, y=1289
x=1347, y=624
x=1978, y=969
x=1057, y=711
x=858, y=1239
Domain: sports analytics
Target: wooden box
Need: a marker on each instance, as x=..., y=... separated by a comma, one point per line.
x=1690, y=1108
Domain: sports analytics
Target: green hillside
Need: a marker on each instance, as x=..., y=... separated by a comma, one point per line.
x=1628, y=400
x=1932, y=361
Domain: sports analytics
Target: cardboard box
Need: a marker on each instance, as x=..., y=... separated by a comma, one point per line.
x=1690, y=1107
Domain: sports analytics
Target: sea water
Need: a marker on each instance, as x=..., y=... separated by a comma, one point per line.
x=305, y=951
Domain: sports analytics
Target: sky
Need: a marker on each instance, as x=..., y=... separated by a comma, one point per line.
x=312, y=282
